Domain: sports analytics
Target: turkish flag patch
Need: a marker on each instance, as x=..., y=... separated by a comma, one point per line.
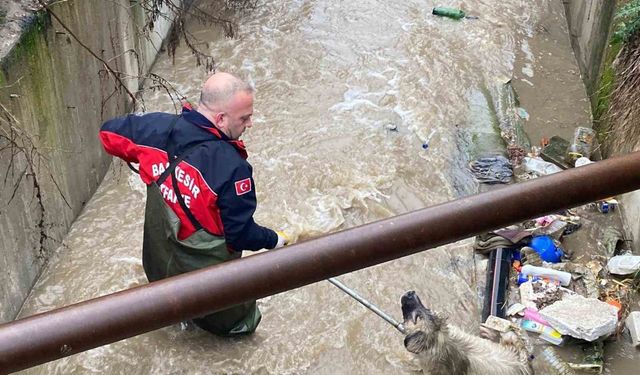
x=243, y=186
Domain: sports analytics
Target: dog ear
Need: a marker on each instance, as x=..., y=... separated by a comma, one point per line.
x=415, y=342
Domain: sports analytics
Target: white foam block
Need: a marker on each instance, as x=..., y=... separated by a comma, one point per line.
x=633, y=323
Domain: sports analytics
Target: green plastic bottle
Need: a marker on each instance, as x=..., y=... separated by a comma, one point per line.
x=449, y=12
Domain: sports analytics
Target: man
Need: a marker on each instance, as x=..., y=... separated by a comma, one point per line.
x=200, y=191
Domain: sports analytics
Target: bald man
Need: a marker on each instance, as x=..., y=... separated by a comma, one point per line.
x=200, y=191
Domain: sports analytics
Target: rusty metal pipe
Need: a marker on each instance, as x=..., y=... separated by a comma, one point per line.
x=58, y=333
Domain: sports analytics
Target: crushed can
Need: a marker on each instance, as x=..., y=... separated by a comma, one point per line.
x=603, y=207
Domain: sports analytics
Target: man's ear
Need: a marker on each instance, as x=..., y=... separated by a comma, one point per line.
x=415, y=342
x=218, y=117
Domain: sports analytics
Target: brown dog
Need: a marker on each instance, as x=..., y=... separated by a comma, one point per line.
x=444, y=349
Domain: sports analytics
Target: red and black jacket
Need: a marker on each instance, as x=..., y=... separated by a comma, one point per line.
x=215, y=179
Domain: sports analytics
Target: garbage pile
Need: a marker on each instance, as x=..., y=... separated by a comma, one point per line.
x=555, y=293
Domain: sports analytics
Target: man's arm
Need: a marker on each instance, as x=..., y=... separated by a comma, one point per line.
x=118, y=137
x=237, y=204
x=123, y=136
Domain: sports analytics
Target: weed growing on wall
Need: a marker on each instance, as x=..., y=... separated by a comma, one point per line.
x=627, y=20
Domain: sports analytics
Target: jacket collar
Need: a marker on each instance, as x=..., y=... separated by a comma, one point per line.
x=196, y=118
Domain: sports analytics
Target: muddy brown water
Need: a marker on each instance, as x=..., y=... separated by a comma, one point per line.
x=332, y=77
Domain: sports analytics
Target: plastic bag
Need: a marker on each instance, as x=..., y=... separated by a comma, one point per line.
x=492, y=170
x=624, y=264
x=540, y=166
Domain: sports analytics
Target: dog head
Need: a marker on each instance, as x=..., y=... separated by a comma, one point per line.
x=423, y=326
x=443, y=349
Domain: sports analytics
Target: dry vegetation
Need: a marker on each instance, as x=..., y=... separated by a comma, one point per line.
x=624, y=111
x=622, y=119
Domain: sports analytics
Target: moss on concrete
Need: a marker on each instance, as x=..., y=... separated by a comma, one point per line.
x=29, y=41
x=605, y=89
x=34, y=54
x=626, y=24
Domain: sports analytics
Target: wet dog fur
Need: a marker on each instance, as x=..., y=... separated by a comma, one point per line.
x=445, y=349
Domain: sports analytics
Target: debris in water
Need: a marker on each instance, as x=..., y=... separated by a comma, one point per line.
x=391, y=127
x=453, y=13
x=523, y=114
x=425, y=145
x=583, y=318
x=624, y=264
x=492, y=170
x=582, y=144
x=559, y=366
x=539, y=166
x=547, y=273
x=516, y=153
x=554, y=151
x=633, y=323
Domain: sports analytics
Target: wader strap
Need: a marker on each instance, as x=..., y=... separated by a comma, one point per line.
x=196, y=224
x=174, y=161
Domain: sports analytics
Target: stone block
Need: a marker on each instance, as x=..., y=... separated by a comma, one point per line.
x=555, y=151
x=582, y=318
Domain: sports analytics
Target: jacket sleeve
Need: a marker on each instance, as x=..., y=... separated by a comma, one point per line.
x=118, y=137
x=237, y=204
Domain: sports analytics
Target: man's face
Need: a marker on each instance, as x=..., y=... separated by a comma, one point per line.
x=237, y=116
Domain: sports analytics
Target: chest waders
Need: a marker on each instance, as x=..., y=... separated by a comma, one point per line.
x=164, y=255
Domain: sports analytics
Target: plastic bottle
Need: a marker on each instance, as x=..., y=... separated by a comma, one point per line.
x=546, y=333
x=572, y=155
x=533, y=315
x=547, y=273
x=425, y=145
x=581, y=161
x=559, y=366
x=581, y=146
x=523, y=278
x=538, y=327
x=454, y=13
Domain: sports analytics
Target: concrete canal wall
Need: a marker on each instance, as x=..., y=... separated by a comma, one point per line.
x=53, y=97
x=590, y=23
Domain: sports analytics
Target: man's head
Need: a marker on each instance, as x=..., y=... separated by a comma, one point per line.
x=227, y=101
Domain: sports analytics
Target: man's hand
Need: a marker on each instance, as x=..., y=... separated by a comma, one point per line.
x=283, y=239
